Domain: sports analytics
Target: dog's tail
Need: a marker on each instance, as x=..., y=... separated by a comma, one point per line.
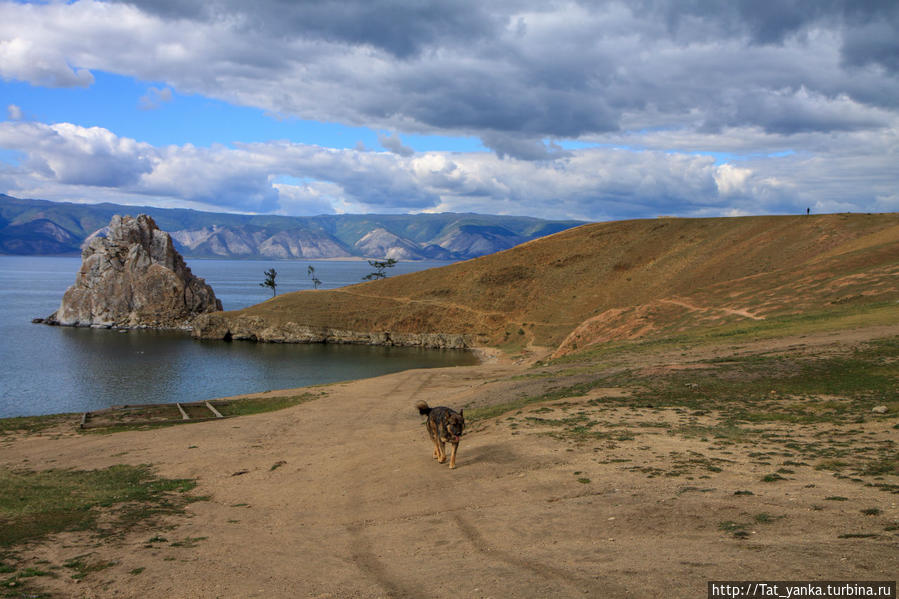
x=423, y=407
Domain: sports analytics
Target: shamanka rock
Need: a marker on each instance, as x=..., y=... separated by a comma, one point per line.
x=134, y=278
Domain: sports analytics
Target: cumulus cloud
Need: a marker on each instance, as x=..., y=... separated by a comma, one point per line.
x=14, y=113
x=28, y=60
x=72, y=155
x=513, y=74
x=799, y=99
x=64, y=160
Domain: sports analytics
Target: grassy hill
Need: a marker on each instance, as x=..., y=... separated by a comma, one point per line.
x=626, y=280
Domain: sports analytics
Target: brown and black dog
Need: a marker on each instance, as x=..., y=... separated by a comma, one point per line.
x=445, y=426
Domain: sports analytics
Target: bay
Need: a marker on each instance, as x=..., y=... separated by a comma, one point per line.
x=46, y=370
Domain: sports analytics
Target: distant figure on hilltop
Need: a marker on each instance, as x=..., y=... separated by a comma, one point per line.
x=134, y=278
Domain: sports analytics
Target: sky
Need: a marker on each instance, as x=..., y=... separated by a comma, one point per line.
x=592, y=110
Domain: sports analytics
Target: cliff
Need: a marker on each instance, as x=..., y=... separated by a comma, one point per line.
x=134, y=278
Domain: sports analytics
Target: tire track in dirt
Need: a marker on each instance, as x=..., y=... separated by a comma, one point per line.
x=363, y=556
x=544, y=571
x=362, y=550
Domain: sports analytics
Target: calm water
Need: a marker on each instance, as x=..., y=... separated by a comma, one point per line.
x=46, y=370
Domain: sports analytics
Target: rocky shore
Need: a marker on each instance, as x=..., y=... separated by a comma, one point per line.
x=255, y=328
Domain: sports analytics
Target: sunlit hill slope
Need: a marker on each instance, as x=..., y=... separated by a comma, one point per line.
x=611, y=281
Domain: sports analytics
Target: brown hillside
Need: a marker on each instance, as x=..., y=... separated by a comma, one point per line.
x=616, y=280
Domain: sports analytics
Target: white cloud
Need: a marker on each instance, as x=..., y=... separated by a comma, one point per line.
x=731, y=179
x=14, y=113
x=73, y=155
x=513, y=74
x=74, y=162
x=800, y=106
x=28, y=60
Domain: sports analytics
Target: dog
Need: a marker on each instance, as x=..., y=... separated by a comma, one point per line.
x=445, y=426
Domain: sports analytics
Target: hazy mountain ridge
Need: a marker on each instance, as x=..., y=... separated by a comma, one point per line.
x=36, y=227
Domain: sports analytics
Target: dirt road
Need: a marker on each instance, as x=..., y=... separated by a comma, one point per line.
x=340, y=497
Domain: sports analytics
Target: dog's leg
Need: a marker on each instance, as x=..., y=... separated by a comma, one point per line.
x=436, y=448
x=442, y=447
x=453, y=455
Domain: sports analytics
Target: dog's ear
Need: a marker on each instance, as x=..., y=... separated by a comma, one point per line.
x=462, y=414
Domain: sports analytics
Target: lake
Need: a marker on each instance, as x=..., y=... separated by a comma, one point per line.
x=46, y=370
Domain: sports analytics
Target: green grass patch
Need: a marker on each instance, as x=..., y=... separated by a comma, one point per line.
x=35, y=504
x=888, y=465
x=487, y=412
x=766, y=518
x=725, y=431
x=165, y=414
x=260, y=405
x=82, y=568
x=835, y=465
x=33, y=424
x=779, y=387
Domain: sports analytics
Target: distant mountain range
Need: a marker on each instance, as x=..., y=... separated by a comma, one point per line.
x=40, y=227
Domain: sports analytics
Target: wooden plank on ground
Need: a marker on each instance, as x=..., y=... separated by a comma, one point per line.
x=213, y=410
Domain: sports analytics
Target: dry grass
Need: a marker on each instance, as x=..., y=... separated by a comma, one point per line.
x=624, y=280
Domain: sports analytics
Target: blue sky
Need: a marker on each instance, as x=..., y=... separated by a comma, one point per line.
x=592, y=110
x=124, y=104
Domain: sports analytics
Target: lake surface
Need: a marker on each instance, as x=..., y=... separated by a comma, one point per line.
x=45, y=370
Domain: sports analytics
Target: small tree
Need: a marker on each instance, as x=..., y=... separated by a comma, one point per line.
x=380, y=266
x=270, y=276
x=310, y=273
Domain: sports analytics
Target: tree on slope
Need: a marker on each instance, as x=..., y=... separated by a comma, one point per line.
x=270, y=276
x=380, y=266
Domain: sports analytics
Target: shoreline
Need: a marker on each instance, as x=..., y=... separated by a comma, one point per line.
x=483, y=355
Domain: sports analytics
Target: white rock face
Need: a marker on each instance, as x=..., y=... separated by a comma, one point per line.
x=381, y=243
x=134, y=278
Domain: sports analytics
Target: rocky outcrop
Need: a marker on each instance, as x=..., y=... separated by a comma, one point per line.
x=134, y=278
x=254, y=328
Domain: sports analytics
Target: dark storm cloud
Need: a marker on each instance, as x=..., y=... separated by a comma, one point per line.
x=513, y=74
x=869, y=28
x=400, y=27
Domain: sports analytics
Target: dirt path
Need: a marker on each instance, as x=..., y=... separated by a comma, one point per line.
x=340, y=497
x=446, y=304
x=738, y=311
